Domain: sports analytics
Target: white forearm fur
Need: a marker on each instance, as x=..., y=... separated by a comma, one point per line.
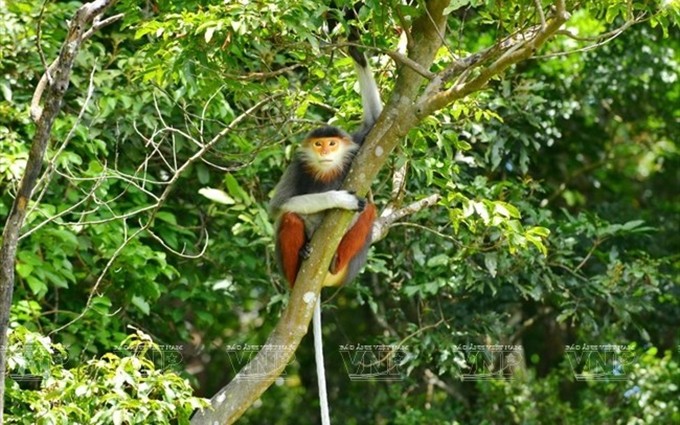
x=316, y=202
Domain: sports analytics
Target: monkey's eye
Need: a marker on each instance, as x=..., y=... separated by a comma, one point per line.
x=333, y=143
x=317, y=143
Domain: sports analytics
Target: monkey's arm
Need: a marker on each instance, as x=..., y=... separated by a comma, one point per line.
x=316, y=202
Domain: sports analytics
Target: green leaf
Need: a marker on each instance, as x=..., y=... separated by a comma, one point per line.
x=56, y=279
x=438, y=260
x=216, y=195
x=455, y=5
x=538, y=243
x=209, y=34
x=481, y=209
x=38, y=287
x=462, y=145
x=491, y=263
x=203, y=174
x=539, y=231
x=411, y=290
x=101, y=304
x=630, y=225
x=166, y=217
x=506, y=210
x=235, y=189
x=6, y=90
x=141, y=304
x=24, y=270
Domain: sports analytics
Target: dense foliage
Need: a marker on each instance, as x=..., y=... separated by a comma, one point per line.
x=556, y=238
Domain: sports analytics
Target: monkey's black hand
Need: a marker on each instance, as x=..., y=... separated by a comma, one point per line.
x=361, y=202
x=305, y=251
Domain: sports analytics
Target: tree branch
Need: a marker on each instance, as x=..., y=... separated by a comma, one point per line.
x=396, y=56
x=406, y=107
x=382, y=224
x=515, y=49
x=60, y=74
x=597, y=41
x=36, y=109
x=397, y=118
x=153, y=210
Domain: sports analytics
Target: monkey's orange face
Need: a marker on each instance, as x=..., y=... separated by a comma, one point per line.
x=327, y=155
x=326, y=148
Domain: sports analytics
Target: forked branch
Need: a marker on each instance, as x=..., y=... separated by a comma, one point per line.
x=53, y=95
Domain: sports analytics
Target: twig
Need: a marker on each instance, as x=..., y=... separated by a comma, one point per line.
x=53, y=102
x=539, y=9
x=36, y=109
x=439, y=32
x=399, y=182
x=62, y=213
x=156, y=207
x=256, y=76
x=114, y=217
x=592, y=249
x=382, y=224
x=435, y=380
x=396, y=56
x=514, y=52
x=45, y=179
x=599, y=40
x=405, y=28
x=177, y=253
x=38, y=39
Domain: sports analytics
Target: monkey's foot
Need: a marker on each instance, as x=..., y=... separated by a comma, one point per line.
x=305, y=251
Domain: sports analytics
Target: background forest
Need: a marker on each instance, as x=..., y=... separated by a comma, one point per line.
x=539, y=285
